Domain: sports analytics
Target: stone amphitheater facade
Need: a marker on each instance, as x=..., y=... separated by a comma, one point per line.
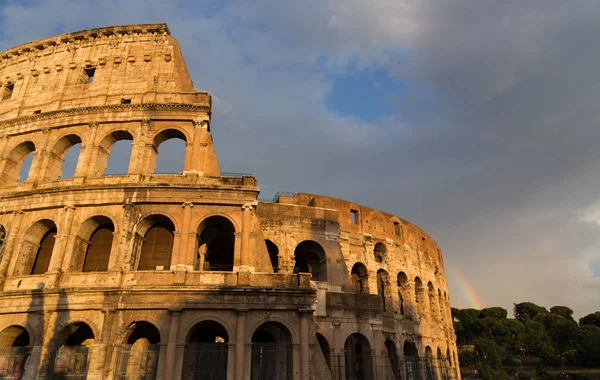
x=186, y=275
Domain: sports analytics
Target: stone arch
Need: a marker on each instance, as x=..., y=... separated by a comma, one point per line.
x=163, y=136
x=419, y=296
x=36, y=248
x=393, y=359
x=325, y=349
x=14, y=162
x=56, y=158
x=360, y=278
x=277, y=320
x=383, y=287
x=215, y=244
x=433, y=303
x=358, y=357
x=206, y=351
x=184, y=333
x=411, y=360
x=273, y=251
x=138, y=354
x=70, y=347
x=403, y=296
x=15, y=336
x=156, y=246
x=271, y=352
x=93, y=245
x=379, y=252
x=310, y=257
x=105, y=149
x=429, y=373
x=15, y=345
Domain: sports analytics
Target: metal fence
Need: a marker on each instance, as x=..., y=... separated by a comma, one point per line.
x=12, y=362
x=205, y=361
x=137, y=363
x=271, y=361
x=368, y=367
x=70, y=363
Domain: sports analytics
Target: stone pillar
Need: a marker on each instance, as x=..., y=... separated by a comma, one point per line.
x=245, y=251
x=86, y=153
x=60, y=246
x=172, y=344
x=10, y=249
x=304, y=344
x=180, y=260
x=240, y=343
x=31, y=365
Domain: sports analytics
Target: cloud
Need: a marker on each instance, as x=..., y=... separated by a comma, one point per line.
x=491, y=146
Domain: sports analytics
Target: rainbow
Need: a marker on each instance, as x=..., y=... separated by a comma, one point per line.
x=467, y=290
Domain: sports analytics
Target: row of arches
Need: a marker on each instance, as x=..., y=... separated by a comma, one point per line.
x=206, y=353
x=153, y=246
x=112, y=156
x=437, y=301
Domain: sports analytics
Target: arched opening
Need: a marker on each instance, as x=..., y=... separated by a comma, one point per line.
x=114, y=154
x=14, y=349
x=138, y=355
x=383, y=284
x=99, y=245
x=216, y=240
x=324, y=345
x=206, y=352
x=429, y=373
x=433, y=304
x=157, y=244
x=36, y=248
x=62, y=162
x=358, y=358
x=442, y=365
x=271, y=352
x=2, y=240
x=411, y=358
x=273, y=254
x=173, y=145
x=18, y=163
x=360, y=278
x=379, y=252
x=419, y=296
x=392, y=354
x=402, y=292
x=71, y=356
x=309, y=257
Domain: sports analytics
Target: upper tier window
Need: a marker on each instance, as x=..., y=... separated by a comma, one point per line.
x=87, y=76
x=8, y=91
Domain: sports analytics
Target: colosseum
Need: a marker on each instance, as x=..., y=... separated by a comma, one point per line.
x=186, y=275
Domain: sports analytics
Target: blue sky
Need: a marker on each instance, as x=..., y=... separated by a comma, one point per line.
x=475, y=120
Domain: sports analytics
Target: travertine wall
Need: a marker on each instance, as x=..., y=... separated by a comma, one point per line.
x=334, y=278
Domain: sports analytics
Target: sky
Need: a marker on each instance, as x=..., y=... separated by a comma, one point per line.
x=476, y=120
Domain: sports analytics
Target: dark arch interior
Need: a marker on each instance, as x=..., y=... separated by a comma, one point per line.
x=157, y=245
x=309, y=257
x=324, y=345
x=360, y=278
x=271, y=352
x=273, y=254
x=208, y=332
x=382, y=286
x=143, y=330
x=410, y=349
x=216, y=240
x=379, y=252
x=98, y=250
x=358, y=357
x=81, y=334
x=14, y=336
x=271, y=332
x=44, y=252
x=402, y=279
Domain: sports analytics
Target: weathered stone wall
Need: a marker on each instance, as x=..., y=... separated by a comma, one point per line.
x=285, y=270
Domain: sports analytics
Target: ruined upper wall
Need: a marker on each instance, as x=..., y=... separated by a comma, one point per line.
x=355, y=219
x=95, y=67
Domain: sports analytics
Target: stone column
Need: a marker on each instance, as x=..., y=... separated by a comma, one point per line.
x=245, y=251
x=172, y=343
x=88, y=149
x=180, y=260
x=196, y=159
x=240, y=343
x=10, y=249
x=304, y=343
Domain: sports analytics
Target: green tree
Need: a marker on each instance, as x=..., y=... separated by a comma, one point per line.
x=493, y=312
x=489, y=352
x=591, y=319
x=527, y=310
x=563, y=311
x=587, y=346
x=537, y=342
